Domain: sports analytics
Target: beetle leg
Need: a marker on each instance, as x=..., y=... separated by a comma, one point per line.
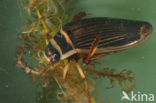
x=85, y=81
x=92, y=49
x=65, y=72
x=79, y=16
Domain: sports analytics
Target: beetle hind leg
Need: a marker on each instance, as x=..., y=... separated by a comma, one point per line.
x=85, y=81
x=92, y=49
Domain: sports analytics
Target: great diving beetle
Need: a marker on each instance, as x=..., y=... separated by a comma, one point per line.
x=115, y=35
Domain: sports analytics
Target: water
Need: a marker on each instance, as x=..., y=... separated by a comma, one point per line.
x=16, y=87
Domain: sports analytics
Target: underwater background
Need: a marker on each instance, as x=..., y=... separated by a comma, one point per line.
x=16, y=87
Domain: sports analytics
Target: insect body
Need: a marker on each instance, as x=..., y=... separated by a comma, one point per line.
x=94, y=38
x=78, y=36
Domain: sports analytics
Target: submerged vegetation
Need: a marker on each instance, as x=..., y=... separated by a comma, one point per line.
x=30, y=57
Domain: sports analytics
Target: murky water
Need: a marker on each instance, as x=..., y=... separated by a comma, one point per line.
x=16, y=87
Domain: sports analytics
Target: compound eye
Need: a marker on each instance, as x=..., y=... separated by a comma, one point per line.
x=49, y=52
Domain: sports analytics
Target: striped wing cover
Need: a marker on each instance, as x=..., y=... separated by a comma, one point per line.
x=115, y=34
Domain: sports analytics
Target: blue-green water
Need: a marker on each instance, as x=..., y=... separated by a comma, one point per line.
x=16, y=87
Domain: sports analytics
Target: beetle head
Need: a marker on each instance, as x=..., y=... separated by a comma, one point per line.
x=51, y=54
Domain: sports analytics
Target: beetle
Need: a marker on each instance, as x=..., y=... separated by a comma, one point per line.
x=94, y=38
x=77, y=37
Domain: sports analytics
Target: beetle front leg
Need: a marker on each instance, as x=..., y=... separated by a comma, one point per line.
x=85, y=81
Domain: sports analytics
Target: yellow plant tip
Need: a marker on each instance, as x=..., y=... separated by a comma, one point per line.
x=47, y=41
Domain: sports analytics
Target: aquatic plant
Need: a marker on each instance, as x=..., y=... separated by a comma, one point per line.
x=46, y=19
